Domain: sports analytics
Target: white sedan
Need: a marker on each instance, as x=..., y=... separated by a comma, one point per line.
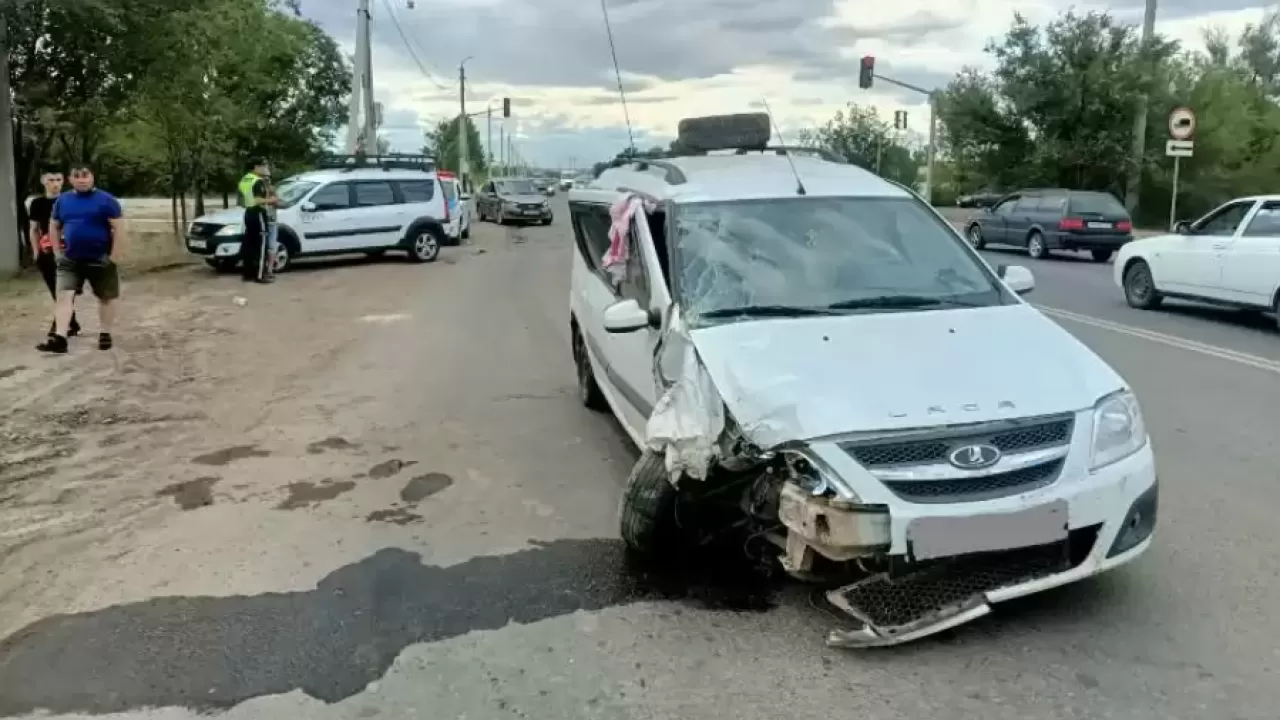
x=1229, y=257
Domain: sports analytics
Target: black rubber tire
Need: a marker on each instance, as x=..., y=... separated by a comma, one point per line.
x=547, y=221
x=1036, y=248
x=648, y=513
x=974, y=235
x=421, y=249
x=466, y=232
x=1102, y=255
x=1134, y=292
x=588, y=389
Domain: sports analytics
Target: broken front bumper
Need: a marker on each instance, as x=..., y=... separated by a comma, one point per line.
x=1105, y=520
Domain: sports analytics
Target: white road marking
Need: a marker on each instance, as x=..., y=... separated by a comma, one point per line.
x=1221, y=353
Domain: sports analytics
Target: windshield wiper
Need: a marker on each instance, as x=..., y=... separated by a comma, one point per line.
x=890, y=301
x=766, y=311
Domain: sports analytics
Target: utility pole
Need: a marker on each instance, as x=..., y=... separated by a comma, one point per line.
x=489, y=143
x=502, y=147
x=11, y=236
x=463, y=155
x=362, y=135
x=1134, y=187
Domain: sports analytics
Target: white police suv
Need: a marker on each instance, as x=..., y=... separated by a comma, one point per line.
x=365, y=205
x=813, y=358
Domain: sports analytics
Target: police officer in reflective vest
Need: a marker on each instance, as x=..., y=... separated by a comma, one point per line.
x=257, y=201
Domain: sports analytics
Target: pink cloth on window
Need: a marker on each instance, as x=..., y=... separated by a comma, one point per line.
x=620, y=214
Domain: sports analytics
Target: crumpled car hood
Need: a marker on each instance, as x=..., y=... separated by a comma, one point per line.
x=807, y=378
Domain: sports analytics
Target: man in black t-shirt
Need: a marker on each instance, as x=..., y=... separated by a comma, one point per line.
x=39, y=214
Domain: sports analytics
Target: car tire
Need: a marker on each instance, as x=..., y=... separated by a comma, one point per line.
x=223, y=266
x=424, y=246
x=974, y=235
x=283, y=259
x=648, y=510
x=1140, y=287
x=1036, y=247
x=588, y=389
x=547, y=221
x=466, y=232
x=500, y=218
x=1101, y=256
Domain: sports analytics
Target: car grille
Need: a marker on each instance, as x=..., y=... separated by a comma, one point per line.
x=199, y=229
x=1013, y=438
x=529, y=206
x=890, y=601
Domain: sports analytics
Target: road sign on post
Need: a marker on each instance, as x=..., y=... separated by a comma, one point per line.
x=1182, y=123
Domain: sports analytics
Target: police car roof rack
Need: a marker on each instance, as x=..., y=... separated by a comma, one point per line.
x=347, y=163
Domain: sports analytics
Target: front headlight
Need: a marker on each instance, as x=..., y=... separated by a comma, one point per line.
x=509, y=205
x=225, y=230
x=1118, y=429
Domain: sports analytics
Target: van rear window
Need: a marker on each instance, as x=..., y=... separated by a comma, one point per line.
x=1099, y=203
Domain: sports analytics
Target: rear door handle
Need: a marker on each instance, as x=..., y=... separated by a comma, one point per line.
x=1220, y=246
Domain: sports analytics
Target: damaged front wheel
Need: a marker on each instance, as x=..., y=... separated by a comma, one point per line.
x=649, y=524
x=588, y=388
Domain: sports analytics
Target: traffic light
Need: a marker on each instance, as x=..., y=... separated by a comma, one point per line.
x=899, y=119
x=506, y=107
x=868, y=71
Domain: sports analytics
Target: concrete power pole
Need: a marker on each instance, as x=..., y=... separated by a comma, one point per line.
x=1134, y=187
x=463, y=154
x=11, y=237
x=362, y=131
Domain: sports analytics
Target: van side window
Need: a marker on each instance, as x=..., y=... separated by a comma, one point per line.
x=335, y=196
x=635, y=284
x=591, y=233
x=417, y=191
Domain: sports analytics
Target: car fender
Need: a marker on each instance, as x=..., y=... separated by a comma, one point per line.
x=428, y=223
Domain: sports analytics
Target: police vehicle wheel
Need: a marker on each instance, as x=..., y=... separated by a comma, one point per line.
x=648, y=513
x=283, y=259
x=425, y=247
x=588, y=389
x=466, y=233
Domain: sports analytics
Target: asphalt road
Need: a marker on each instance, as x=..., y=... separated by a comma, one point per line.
x=497, y=589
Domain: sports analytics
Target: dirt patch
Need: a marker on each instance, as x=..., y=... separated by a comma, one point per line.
x=305, y=494
x=424, y=486
x=191, y=494
x=330, y=443
x=389, y=468
x=10, y=372
x=228, y=455
x=395, y=516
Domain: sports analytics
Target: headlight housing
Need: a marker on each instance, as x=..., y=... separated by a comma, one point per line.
x=234, y=229
x=1118, y=429
x=509, y=205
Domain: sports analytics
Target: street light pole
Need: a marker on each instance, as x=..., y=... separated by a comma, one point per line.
x=11, y=236
x=462, y=125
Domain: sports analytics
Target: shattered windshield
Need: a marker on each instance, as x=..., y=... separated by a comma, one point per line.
x=805, y=256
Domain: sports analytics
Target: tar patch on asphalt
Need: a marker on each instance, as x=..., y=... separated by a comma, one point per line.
x=424, y=486
x=229, y=455
x=331, y=443
x=306, y=494
x=212, y=653
x=191, y=494
x=389, y=468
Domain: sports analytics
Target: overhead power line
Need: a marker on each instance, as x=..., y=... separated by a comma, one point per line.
x=408, y=45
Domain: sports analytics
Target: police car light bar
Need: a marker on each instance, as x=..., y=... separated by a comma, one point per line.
x=741, y=131
x=384, y=162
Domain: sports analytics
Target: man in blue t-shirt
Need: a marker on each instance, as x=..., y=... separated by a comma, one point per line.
x=87, y=233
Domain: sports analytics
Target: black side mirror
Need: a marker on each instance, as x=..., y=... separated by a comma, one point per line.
x=1182, y=227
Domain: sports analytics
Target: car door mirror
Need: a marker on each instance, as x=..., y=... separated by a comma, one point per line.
x=625, y=316
x=1182, y=227
x=309, y=207
x=1017, y=278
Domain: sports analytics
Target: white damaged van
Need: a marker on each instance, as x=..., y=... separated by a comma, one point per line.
x=812, y=356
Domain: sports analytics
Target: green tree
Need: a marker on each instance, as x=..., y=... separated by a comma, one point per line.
x=443, y=142
x=859, y=135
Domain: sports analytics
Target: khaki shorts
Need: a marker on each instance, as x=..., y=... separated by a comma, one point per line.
x=102, y=276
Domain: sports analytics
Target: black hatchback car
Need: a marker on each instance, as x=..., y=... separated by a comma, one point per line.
x=1044, y=220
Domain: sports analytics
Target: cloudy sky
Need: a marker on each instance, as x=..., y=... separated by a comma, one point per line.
x=683, y=58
